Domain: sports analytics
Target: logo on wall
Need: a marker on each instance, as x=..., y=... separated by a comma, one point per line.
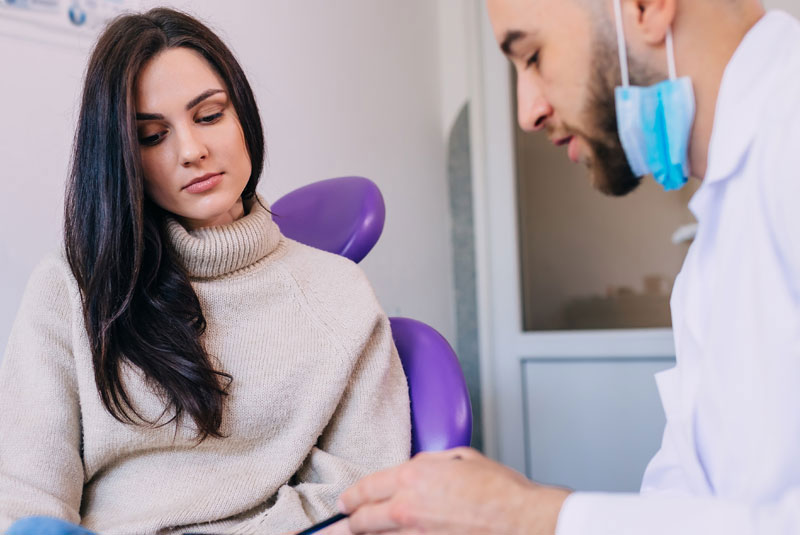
x=59, y=21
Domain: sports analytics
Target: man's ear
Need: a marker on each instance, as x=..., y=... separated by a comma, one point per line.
x=647, y=21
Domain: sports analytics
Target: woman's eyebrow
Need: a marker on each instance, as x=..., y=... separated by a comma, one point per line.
x=149, y=116
x=191, y=104
x=201, y=97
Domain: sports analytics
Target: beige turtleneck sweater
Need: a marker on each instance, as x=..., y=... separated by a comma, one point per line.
x=318, y=397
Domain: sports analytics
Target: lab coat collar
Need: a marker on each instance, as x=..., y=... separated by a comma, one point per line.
x=744, y=91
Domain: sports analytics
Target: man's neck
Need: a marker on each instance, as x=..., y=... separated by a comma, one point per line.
x=705, y=41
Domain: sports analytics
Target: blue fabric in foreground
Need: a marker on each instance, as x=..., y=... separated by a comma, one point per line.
x=43, y=525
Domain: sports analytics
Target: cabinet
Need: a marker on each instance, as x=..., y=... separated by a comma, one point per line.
x=591, y=424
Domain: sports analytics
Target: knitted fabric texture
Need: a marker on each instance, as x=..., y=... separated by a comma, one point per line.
x=318, y=397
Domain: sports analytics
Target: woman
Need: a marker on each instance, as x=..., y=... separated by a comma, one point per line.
x=181, y=366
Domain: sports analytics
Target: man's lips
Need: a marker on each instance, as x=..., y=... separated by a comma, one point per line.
x=573, y=150
x=562, y=141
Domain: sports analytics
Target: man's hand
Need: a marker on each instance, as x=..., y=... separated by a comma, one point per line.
x=457, y=491
x=339, y=528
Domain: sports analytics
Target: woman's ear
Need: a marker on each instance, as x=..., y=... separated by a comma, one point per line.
x=647, y=21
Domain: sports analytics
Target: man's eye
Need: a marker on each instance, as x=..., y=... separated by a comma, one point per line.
x=208, y=119
x=152, y=140
x=534, y=59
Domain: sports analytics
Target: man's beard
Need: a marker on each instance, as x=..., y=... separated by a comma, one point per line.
x=609, y=165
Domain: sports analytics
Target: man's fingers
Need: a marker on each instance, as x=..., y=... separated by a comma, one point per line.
x=339, y=528
x=373, y=488
x=455, y=453
x=383, y=485
x=373, y=518
x=468, y=454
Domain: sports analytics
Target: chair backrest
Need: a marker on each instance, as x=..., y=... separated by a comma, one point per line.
x=340, y=215
x=441, y=413
x=345, y=216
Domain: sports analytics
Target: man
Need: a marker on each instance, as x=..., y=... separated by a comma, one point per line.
x=728, y=113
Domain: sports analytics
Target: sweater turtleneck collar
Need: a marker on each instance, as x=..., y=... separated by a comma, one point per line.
x=217, y=251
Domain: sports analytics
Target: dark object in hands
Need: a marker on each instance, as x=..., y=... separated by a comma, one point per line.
x=313, y=529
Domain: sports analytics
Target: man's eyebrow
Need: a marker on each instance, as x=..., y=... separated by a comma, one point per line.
x=511, y=36
x=191, y=104
x=201, y=97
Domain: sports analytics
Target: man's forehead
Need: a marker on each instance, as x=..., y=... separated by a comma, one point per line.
x=513, y=20
x=520, y=16
x=507, y=10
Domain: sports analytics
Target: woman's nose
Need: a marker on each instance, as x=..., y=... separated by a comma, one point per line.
x=192, y=149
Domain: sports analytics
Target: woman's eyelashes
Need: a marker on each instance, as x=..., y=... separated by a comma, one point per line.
x=208, y=119
x=155, y=139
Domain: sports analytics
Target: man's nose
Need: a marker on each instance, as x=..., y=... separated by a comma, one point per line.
x=533, y=109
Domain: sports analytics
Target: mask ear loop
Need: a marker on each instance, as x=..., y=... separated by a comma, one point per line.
x=623, y=52
x=671, y=55
x=621, y=47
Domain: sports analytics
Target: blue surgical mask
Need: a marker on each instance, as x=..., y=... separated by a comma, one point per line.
x=655, y=123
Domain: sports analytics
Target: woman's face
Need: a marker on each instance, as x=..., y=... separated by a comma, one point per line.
x=192, y=145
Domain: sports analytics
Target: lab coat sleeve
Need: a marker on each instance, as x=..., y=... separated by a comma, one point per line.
x=781, y=176
x=631, y=514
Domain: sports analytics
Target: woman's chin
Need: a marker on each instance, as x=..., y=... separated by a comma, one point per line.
x=196, y=219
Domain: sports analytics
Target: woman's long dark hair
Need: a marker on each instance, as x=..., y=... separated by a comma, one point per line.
x=138, y=303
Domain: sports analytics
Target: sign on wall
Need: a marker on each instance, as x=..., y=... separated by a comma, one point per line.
x=74, y=22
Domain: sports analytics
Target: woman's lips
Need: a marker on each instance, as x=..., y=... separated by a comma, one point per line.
x=203, y=184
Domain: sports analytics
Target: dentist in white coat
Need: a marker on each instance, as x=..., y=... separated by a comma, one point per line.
x=670, y=89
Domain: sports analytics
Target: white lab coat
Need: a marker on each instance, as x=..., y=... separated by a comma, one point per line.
x=730, y=457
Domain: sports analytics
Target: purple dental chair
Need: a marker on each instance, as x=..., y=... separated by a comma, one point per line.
x=345, y=216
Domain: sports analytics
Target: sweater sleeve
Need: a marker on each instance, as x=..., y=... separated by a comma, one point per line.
x=370, y=431
x=41, y=472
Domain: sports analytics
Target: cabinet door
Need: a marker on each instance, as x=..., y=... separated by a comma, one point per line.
x=592, y=424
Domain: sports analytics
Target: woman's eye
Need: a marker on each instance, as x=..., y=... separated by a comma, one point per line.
x=208, y=119
x=152, y=140
x=534, y=59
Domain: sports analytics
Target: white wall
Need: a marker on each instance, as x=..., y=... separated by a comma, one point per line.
x=455, y=56
x=791, y=6
x=345, y=87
